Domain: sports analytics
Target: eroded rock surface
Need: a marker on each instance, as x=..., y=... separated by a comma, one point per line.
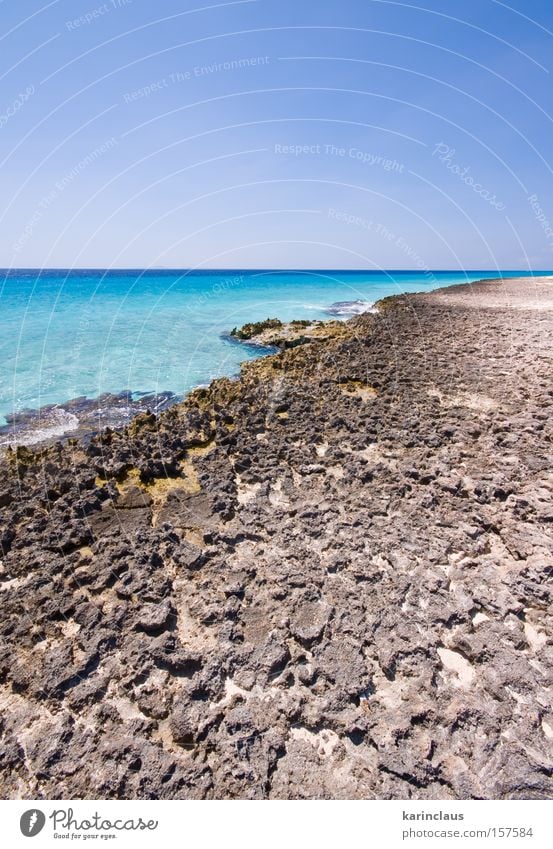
x=330, y=579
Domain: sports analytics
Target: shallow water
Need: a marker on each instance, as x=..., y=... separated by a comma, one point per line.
x=86, y=333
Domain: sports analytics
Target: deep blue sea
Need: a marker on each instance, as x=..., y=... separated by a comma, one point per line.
x=85, y=333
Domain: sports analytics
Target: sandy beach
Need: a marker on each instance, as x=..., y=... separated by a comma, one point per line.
x=330, y=578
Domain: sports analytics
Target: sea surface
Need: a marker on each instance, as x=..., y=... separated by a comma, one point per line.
x=125, y=336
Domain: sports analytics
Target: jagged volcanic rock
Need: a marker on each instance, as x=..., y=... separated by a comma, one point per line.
x=329, y=579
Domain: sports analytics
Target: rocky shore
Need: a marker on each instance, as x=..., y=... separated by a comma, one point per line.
x=79, y=418
x=330, y=578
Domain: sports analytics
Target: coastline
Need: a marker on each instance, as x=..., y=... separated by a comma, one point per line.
x=83, y=418
x=324, y=579
x=189, y=356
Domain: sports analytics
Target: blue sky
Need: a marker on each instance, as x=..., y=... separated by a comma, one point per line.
x=272, y=133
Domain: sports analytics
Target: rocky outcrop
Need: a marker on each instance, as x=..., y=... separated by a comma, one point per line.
x=328, y=579
x=273, y=333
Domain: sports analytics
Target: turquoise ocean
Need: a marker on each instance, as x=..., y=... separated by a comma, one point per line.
x=69, y=334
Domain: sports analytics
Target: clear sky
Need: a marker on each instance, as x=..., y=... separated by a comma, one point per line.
x=276, y=133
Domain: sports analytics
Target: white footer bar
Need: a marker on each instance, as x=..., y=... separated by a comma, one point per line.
x=288, y=824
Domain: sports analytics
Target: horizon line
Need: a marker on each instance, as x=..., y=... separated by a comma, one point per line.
x=268, y=269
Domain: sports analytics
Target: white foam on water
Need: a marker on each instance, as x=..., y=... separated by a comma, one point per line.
x=350, y=308
x=59, y=423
